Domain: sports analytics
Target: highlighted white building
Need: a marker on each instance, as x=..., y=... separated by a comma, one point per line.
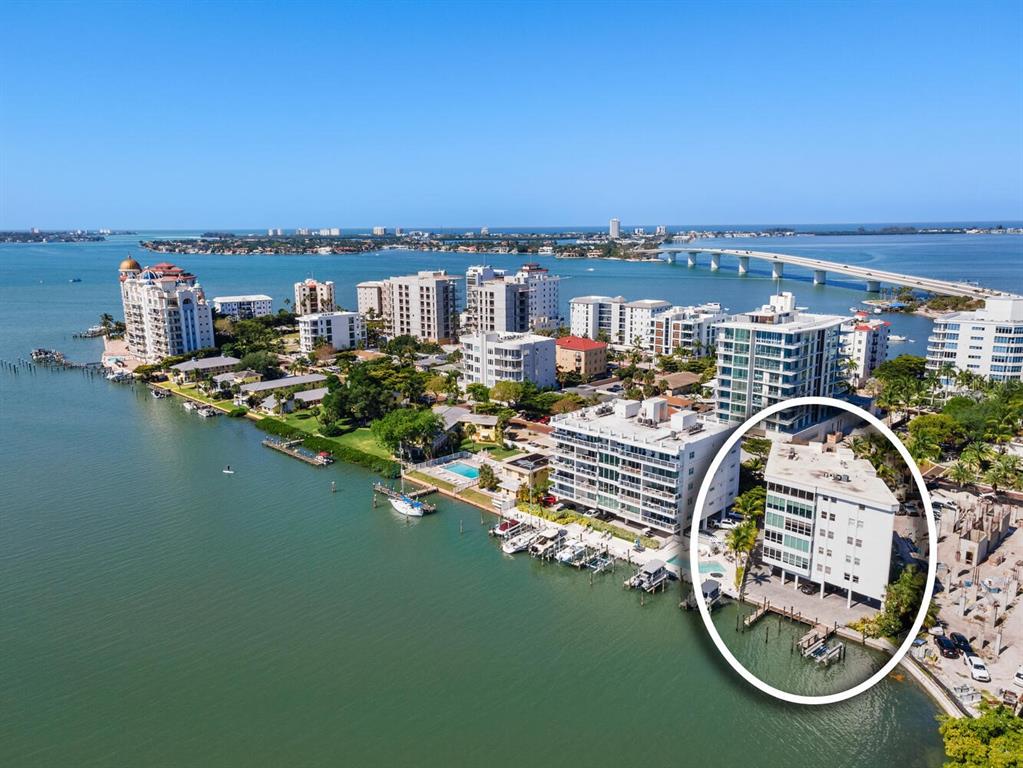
x=488, y=358
x=243, y=307
x=423, y=305
x=987, y=341
x=165, y=311
x=829, y=519
x=773, y=354
x=642, y=463
x=340, y=330
x=614, y=229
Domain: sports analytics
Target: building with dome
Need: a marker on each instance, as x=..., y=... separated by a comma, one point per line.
x=165, y=311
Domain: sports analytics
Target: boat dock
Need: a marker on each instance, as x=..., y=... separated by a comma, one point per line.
x=391, y=493
x=294, y=449
x=815, y=637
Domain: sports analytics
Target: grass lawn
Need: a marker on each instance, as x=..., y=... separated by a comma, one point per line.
x=310, y=424
x=195, y=394
x=362, y=440
x=477, y=498
x=419, y=477
x=500, y=453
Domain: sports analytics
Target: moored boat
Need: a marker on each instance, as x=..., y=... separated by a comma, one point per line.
x=518, y=543
x=406, y=506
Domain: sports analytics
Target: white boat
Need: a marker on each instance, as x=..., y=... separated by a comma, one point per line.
x=228, y=470
x=569, y=554
x=896, y=339
x=188, y=405
x=519, y=543
x=406, y=506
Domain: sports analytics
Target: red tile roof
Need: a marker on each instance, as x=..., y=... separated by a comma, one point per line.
x=580, y=344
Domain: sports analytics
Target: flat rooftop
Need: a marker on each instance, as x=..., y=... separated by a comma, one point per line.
x=596, y=420
x=835, y=471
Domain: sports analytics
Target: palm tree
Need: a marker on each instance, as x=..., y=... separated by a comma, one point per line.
x=741, y=541
x=976, y=455
x=961, y=474
x=923, y=447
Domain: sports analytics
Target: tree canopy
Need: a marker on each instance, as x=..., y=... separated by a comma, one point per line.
x=993, y=740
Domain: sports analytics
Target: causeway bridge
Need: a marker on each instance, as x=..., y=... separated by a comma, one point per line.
x=820, y=268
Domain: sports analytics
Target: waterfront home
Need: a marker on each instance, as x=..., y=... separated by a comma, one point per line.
x=263, y=388
x=679, y=383
x=194, y=370
x=225, y=381
x=454, y=416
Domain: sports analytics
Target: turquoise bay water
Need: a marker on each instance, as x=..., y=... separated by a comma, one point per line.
x=156, y=612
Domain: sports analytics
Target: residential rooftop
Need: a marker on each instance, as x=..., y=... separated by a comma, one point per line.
x=288, y=381
x=579, y=344
x=650, y=422
x=828, y=468
x=205, y=363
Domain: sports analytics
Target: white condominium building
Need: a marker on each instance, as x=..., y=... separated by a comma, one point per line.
x=424, y=305
x=544, y=296
x=864, y=346
x=243, y=307
x=341, y=330
x=773, y=354
x=165, y=311
x=496, y=301
x=370, y=297
x=987, y=341
x=488, y=358
x=615, y=229
x=641, y=463
x=312, y=297
x=626, y=323
x=693, y=329
x=829, y=518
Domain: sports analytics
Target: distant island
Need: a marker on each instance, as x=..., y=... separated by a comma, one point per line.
x=639, y=245
x=65, y=236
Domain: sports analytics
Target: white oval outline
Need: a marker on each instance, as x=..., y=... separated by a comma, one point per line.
x=932, y=539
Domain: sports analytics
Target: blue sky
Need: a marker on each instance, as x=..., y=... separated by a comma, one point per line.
x=428, y=114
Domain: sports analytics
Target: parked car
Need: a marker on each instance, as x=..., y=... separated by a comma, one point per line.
x=946, y=647
x=726, y=523
x=809, y=588
x=548, y=500
x=978, y=670
x=1018, y=677
x=961, y=642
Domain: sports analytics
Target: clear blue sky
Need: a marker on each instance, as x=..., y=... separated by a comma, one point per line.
x=251, y=115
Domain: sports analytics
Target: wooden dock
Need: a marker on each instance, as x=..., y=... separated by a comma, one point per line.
x=293, y=448
x=391, y=493
x=757, y=615
x=817, y=634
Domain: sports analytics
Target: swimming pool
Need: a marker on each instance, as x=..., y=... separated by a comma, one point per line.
x=712, y=568
x=463, y=469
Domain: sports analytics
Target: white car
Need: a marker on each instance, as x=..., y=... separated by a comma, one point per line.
x=978, y=670
x=1018, y=677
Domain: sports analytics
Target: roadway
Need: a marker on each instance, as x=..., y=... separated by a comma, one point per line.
x=820, y=267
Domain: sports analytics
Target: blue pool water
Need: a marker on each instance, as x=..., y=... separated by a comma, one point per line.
x=463, y=469
x=711, y=566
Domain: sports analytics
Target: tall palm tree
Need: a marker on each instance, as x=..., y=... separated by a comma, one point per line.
x=976, y=455
x=741, y=540
x=961, y=474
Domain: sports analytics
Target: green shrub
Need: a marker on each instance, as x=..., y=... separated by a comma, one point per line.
x=235, y=413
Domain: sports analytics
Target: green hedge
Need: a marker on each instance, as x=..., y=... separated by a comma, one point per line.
x=386, y=467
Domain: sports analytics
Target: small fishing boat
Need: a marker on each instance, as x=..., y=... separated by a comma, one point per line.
x=160, y=394
x=188, y=405
x=896, y=339
x=406, y=506
x=207, y=412
x=75, y=280
x=228, y=470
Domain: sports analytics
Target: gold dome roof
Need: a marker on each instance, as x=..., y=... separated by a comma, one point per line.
x=130, y=263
